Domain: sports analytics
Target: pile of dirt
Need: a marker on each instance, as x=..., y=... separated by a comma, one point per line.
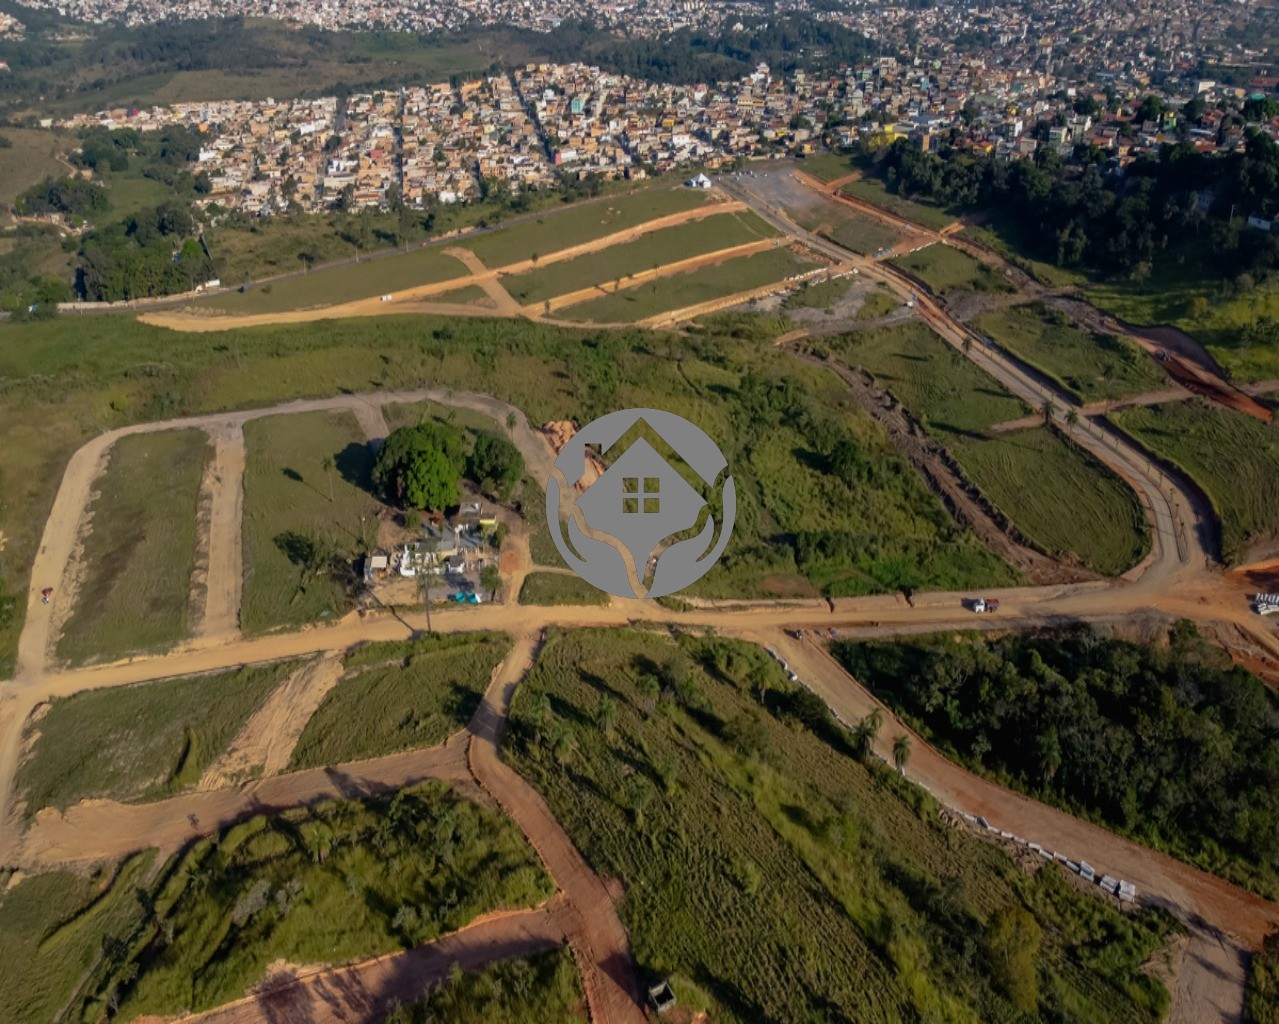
x=559, y=433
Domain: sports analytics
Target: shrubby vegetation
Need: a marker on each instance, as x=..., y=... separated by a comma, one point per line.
x=1171, y=745
x=1261, y=1005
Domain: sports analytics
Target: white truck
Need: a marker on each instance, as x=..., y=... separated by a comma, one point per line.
x=981, y=605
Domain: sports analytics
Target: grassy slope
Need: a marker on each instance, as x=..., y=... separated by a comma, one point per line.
x=551, y=588
x=959, y=403
x=773, y=875
x=287, y=490
x=31, y=159
x=872, y=190
x=691, y=287
x=407, y=699
x=947, y=271
x=1233, y=457
x=1093, y=367
x=139, y=742
x=337, y=285
x=140, y=552
x=648, y=251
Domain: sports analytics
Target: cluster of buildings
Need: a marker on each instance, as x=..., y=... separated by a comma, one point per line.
x=459, y=143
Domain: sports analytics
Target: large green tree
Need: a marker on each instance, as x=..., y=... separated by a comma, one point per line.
x=495, y=464
x=419, y=466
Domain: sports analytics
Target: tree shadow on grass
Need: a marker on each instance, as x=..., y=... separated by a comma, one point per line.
x=354, y=464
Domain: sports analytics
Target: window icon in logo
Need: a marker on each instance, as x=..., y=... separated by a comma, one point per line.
x=642, y=517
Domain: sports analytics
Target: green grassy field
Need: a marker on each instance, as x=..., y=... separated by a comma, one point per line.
x=139, y=742
x=400, y=697
x=31, y=159
x=51, y=931
x=948, y=272
x=654, y=249
x=958, y=403
x=1092, y=367
x=773, y=876
x=551, y=588
x=336, y=285
x=1031, y=473
x=312, y=886
x=579, y=223
x=534, y=991
x=410, y=414
x=140, y=551
x=872, y=190
x=62, y=387
x=289, y=497
x=878, y=303
x=1233, y=457
x=822, y=295
x=826, y=166
x=691, y=288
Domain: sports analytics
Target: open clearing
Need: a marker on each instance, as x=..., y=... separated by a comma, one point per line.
x=872, y=190
x=949, y=272
x=293, y=503
x=581, y=223
x=141, y=742
x=1092, y=367
x=332, y=286
x=958, y=403
x=139, y=554
x=32, y=158
x=1233, y=457
x=769, y=873
x=646, y=253
x=553, y=588
x=689, y=289
x=396, y=697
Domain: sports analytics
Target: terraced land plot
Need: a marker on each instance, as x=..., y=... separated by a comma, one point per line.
x=139, y=555
x=394, y=697
x=1092, y=367
x=139, y=742
x=306, y=487
x=858, y=232
x=1030, y=475
x=949, y=272
x=679, y=291
x=770, y=874
x=646, y=254
x=333, y=286
x=583, y=222
x=872, y=190
x=1233, y=457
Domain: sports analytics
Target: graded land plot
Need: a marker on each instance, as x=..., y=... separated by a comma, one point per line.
x=879, y=302
x=771, y=874
x=410, y=414
x=582, y=222
x=470, y=295
x=543, y=989
x=552, y=588
x=819, y=295
x=1233, y=457
x=650, y=251
x=1092, y=367
x=947, y=271
x=139, y=742
x=139, y=554
x=872, y=190
x=309, y=886
x=400, y=696
x=1030, y=475
x=31, y=157
x=302, y=516
x=826, y=166
x=52, y=928
x=333, y=286
x=692, y=287
x=1034, y=474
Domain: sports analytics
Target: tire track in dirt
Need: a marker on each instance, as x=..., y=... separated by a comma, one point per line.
x=219, y=544
x=267, y=739
x=367, y=991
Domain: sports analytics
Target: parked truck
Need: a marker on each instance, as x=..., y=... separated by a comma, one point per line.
x=985, y=604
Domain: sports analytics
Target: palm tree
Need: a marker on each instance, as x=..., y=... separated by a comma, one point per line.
x=327, y=466
x=1072, y=420
x=1048, y=409
x=901, y=752
x=606, y=714
x=866, y=731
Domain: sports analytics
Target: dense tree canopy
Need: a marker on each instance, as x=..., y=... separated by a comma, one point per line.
x=419, y=466
x=1171, y=744
x=495, y=464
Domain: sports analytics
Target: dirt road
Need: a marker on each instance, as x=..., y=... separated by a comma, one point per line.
x=220, y=543
x=587, y=913
x=366, y=991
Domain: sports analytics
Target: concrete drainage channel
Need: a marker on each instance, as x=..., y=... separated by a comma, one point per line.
x=1125, y=892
